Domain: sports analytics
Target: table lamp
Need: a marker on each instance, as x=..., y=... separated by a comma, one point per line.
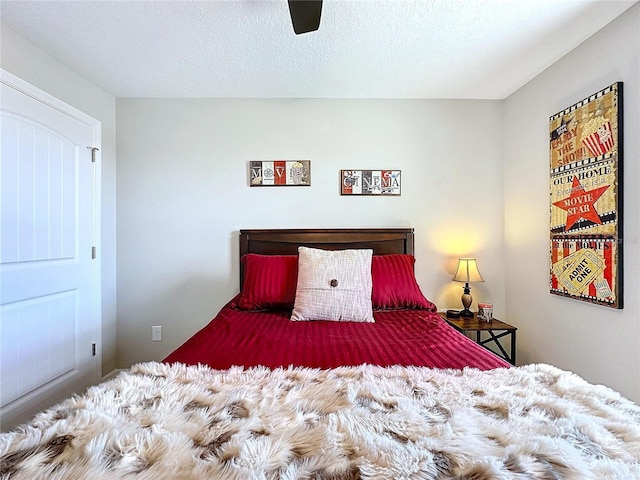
x=467, y=272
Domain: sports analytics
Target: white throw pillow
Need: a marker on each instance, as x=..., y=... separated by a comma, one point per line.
x=333, y=285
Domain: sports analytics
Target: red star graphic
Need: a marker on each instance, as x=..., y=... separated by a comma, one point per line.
x=580, y=204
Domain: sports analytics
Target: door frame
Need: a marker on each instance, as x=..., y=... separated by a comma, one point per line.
x=31, y=403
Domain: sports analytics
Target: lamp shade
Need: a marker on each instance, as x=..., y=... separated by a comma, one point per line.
x=467, y=271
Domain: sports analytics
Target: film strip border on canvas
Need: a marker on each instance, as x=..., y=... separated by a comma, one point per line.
x=587, y=100
x=582, y=163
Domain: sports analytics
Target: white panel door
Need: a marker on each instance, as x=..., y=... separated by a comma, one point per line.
x=49, y=313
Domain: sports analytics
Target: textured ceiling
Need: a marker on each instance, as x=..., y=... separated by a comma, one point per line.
x=480, y=49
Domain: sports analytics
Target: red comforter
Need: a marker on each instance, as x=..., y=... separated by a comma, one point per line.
x=398, y=337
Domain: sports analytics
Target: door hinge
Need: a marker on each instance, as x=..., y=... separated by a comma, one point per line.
x=93, y=153
x=93, y=349
x=93, y=253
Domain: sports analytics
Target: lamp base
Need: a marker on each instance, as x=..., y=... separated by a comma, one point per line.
x=466, y=313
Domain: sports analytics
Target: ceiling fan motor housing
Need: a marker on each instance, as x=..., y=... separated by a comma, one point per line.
x=305, y=15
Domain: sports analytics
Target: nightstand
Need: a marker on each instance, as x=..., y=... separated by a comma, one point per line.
x=469, y=324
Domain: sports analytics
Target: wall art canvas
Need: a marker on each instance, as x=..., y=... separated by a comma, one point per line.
x=280, y=173
x=370, y=182
x=586, y=199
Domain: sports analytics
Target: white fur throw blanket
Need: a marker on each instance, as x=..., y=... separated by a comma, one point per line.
x=176, y=422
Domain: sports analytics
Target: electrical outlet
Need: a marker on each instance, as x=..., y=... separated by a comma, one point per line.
x=156, y=333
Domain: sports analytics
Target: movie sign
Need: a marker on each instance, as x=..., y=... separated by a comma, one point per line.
x=586, y=199
x=280, y=173
x=370, y=182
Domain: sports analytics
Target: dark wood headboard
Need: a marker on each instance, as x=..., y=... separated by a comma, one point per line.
x=383, y=241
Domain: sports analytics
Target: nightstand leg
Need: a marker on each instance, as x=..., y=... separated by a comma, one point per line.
x=496, y=341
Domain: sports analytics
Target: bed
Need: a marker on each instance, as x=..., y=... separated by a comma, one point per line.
x=255, y=328
x=302, y=376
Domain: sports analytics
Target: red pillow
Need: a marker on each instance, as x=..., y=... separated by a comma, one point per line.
x=395, y=285
x=269, y=282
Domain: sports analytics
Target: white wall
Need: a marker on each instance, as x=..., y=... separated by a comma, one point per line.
x=599, y=343
x=31, y=64
x=183, y=195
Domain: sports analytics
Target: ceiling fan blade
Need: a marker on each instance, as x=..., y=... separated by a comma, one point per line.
x=305, y=15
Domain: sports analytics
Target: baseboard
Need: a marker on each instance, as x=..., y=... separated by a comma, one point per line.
x=112, y=374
